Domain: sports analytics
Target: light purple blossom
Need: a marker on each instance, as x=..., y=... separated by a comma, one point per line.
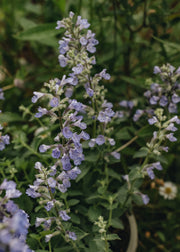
x=43, y=148
x=157, y=70
x=145, y=199
x=67, y=133
x=62, y=60
x=171, y=137
x=37, y=96
x=54, y=102
x=116, y=155
x=72, y=235
x=78, y=69
x=100, y=140
x=64, y=215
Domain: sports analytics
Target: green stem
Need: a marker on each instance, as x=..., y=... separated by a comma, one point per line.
x=8, y=87
x=50, y=249
x=127, y=144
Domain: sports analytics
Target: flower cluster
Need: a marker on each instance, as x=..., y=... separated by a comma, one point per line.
x=75, y=47
x=4, y=140
x=14, y=222
x=162, y=94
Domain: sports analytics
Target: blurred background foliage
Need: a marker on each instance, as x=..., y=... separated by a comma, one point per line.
x=133, y=35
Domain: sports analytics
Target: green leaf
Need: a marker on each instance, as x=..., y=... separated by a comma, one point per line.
x=26, y=23
x=94, y=213
x=168, y=44
x=79, y=232
x=73, y=202
x=117, y=223
x=43, y=33
x=161, y=236
x=10, y=117
x=135, y=174
x=123, y=134
x=84, y=171
x=75, y=218
x=111, y=237
x=92, y=156
x=141, y=153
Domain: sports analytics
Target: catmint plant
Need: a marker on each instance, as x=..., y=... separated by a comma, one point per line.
x=14, y=222
x=81, y=129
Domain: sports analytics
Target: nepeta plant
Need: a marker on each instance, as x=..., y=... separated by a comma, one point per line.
x=80, y=155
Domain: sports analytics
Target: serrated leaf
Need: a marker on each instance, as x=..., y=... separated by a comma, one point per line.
x=117, y=223
x=84, y=171
x=43, y=33
x=73, y=202
x=75, y=218
x=111, y=237
x=141, y=153
x=123, y=134
x=10, y=117
x=92, y=156
x=79, y=232
x=93, y=213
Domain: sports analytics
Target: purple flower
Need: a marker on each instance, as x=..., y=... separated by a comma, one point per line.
x=51, y=182
x=60, y=24
x=76, y=155
x=54, y=102
x=56, y=153
x=116, y=155
x=74, y=173
x=62, y=188
x=32, y=193
x=78, y=106
x=42, y=111
x=105, y=75
x=172, y=108
x=43, y=148
x=64, y=215
x=68, y=92
x=1, y=94
x=175, y=98
x=171, y=137
x=67, y=133
x=90, y=91
x=138, y=114
x=78, y=69
x=83, y=23
x=62, y=60
x=147, y=94
x=83, y=41
x=92, y=142
x=49, y=205
x=152, y=120
x=163, y=101
x=66, y=162
x=145, y=199
x=111, y=141
x=157, y=70
x=154, y=99
x=150, y=172
x=90, y=48
x=38, y=166
x=36, y=96
x=84, y=135
x=72, y=235
x=66, y=183
x=80, y=124
x=100, y=140
x=63, y=46
x=171, y=127
x=72, y=80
